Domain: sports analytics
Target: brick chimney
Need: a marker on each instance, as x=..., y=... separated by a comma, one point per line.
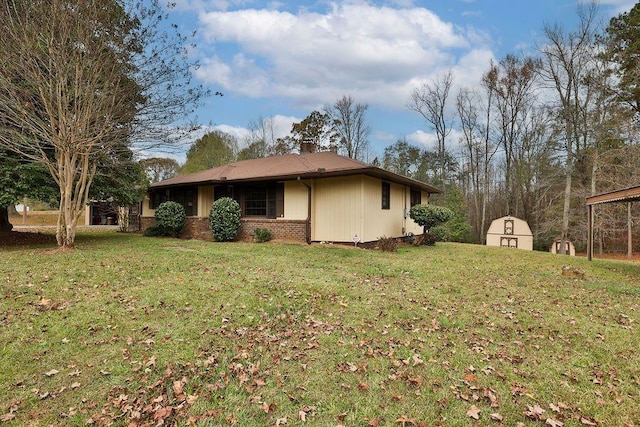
x=307, y=147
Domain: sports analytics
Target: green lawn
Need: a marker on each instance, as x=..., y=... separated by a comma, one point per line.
x=134, y=331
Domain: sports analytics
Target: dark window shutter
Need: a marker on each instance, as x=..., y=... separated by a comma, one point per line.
x=279, y=199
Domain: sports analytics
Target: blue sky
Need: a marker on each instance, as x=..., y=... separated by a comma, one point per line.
x=284, y=59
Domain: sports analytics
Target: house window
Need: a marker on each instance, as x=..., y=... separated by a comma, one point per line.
x=262, y=200
x=185, y=196
x=255, y=201
x=508, y=226
x=416, y=197
x=386, y=195
x=509, y=242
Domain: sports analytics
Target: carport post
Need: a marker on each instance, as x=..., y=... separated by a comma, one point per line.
x=589, y=232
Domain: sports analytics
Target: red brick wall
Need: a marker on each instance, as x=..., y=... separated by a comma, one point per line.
x=198, y=228
x=281, y=229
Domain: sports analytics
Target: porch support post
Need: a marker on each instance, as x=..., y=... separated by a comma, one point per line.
x=629, y=230
x=589, y=232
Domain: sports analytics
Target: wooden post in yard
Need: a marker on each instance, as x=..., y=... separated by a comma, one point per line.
x=629, y=228
x=24, y=210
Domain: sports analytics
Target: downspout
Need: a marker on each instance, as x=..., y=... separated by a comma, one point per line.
x=307, y=231
x=404, y=211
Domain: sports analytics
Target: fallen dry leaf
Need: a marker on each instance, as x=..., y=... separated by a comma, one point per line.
x=473, y=412
x=534, y=412
x=496, y=416
x=404, y=420
x=554, y=423
x=178, y=386
x=7, y=417
x=52, y=372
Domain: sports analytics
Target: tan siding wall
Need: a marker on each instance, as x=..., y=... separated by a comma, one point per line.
x=146, y=210
x=205, y=200
x=295, y=201
x=353, y=205
x=337, y=209
x=411, y=226
x=382, y=222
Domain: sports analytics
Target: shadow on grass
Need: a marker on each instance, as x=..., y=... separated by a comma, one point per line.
x=47, y=239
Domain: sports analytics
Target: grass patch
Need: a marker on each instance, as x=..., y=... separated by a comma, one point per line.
x=132, y=330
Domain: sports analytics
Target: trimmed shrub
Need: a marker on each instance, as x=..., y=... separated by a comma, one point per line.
x=429, y=216
x=170, y=220
x=225, y=219
x=261, y=235
x=387, y=244
x=156, y=231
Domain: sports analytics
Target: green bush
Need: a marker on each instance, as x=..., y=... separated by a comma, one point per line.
x=262, y=235
x=429, y=216
x=170, y=220
x=456, y=229
x=225, y=219
x=156, y=231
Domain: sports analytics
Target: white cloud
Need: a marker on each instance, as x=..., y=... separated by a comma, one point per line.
x=239, y=133
x=616, y=6
x=424, y=139
x=281, y=128
x=282, y=125
x=374, y=53
x=430, y=140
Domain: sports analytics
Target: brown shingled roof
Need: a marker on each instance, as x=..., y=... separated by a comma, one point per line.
x=288, y=167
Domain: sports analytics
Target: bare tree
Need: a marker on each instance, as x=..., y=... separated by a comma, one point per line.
x=80, y=80
x=466, y=105
x=430, y=101
x=349, y=124
x=478, y=149
x=261, y=141
x=511, y=83
x=567, y=60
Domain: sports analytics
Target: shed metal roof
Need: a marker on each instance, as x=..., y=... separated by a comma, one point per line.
x=290, y=167
x=629, y=194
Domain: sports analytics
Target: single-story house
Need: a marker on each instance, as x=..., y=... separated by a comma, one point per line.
x=510, y=232
x=311, y=197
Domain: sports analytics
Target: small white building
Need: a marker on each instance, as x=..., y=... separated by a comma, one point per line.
x=510, y=232
x=555, y=247
x=20, y=208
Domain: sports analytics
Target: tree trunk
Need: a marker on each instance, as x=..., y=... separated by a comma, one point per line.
x=74, y=182
x=566, y=209
x=5, y=225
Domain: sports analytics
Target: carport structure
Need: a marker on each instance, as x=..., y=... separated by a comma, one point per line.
x=628, y=195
